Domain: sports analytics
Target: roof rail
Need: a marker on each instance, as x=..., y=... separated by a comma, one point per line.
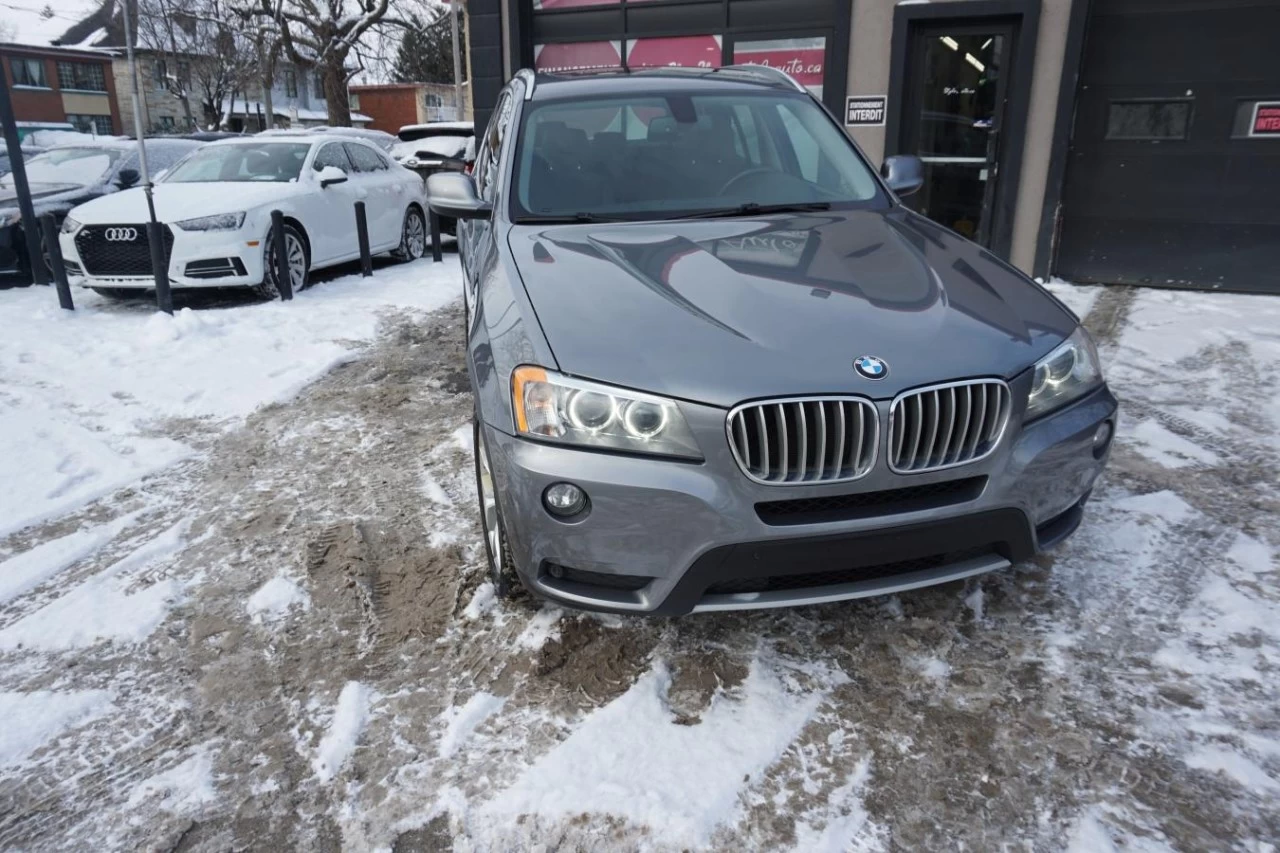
x=526, y=76
x=766, y=74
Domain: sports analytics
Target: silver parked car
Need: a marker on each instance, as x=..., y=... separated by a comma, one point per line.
x=718, y=365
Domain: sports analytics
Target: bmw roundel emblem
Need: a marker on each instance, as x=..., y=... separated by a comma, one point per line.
x=870, y=367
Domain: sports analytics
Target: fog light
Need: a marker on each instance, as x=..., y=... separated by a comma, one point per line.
x=1101, y=438
x=564, y=499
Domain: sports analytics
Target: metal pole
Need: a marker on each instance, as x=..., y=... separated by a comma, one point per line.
x=284, y=277
x=50, y=225
x=437, y=253
x=362, y=234
x=155, y=239
x=457, y=66
x=18, y=174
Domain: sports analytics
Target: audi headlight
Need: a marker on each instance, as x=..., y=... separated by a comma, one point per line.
x=70, y=226
x=555, y=407
x=221, y=222
x=1064, y=374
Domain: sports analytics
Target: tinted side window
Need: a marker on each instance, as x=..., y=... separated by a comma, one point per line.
x=163, y=156
x=365, y=159
x=331, y=154
x=487, y=165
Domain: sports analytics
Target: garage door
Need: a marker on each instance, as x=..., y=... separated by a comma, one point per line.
x=1174, y=172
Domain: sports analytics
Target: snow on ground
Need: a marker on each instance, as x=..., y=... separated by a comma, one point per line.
x=83, y=392
x=282, y=636
x=349, y=720
x=31, y=719
x=682, y=782
x=274, y=598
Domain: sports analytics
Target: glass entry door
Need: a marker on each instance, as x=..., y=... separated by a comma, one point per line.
x=954, y=103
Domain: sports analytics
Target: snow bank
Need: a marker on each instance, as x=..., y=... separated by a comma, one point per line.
x=31, y=719
x=349, y=720
x=81, y=392
x=610, y=764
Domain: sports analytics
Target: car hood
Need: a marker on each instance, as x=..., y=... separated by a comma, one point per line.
x=721, y=311
x=182, y=201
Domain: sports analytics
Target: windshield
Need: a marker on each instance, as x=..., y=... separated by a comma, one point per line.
x=664, y=156
x=280, y=162
x=77, y=166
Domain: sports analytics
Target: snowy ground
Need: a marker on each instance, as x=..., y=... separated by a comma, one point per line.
x=241, y=606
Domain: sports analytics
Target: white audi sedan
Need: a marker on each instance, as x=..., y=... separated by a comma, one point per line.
x=215, y=208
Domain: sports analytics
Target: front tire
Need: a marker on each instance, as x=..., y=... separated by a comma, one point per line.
x=299, y=264
x=413, y=236
x=502, y=570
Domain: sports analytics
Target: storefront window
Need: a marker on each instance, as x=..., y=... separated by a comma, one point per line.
x=572, y=4
x=802, y=58
x=577, y=56
x=684, y=52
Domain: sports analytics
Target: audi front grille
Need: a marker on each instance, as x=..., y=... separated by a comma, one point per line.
x=128, y=252
x=808, y=440
x=947, y=425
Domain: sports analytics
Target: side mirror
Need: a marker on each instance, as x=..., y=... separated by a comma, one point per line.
x=127, y=178
x=453, y=194
x=904, y=173
x=330, y=175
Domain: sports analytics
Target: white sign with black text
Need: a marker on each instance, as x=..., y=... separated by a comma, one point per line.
x=864, y=110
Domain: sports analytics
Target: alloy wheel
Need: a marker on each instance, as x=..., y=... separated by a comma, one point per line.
x=415, y=235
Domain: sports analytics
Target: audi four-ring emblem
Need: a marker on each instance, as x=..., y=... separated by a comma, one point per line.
x=121, y=235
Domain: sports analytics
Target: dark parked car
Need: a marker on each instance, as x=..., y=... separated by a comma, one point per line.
x=68, y=175
x=719, y=365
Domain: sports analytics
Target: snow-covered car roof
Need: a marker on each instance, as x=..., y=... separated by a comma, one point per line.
x=441, y=125
x=379, y=138
x=304, y=136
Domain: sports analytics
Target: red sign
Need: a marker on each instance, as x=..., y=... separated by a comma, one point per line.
x=684, y=51
x=1266, y=119
x=571, y=4
x=802, y=58
x=576, y=56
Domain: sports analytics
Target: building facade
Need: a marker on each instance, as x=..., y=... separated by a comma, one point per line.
x=391, y=106
x=297, y=98
x=51, y=85
x=1127, y=141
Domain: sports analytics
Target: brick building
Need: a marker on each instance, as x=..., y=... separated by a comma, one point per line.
x=393, y=105
x=61, y=85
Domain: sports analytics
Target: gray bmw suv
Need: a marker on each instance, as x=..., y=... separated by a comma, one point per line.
x=718, y=365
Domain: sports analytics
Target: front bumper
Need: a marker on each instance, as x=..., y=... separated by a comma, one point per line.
x=243, y=249
x=665, y=537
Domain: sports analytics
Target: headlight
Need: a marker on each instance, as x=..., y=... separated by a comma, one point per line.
x=70, y=226
x=1064, y=374
x=573, y=411
x=221, y=222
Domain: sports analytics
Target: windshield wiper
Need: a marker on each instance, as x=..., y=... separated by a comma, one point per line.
x=751, y=208
x=563, y=219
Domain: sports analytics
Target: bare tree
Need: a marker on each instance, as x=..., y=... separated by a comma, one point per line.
x=329, y=36
x=205, y=54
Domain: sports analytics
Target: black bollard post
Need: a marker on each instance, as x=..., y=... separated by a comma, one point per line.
x=284, y=281
x=160, y=266
x=362, y=232
x=55, y=260
x=437, y=254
